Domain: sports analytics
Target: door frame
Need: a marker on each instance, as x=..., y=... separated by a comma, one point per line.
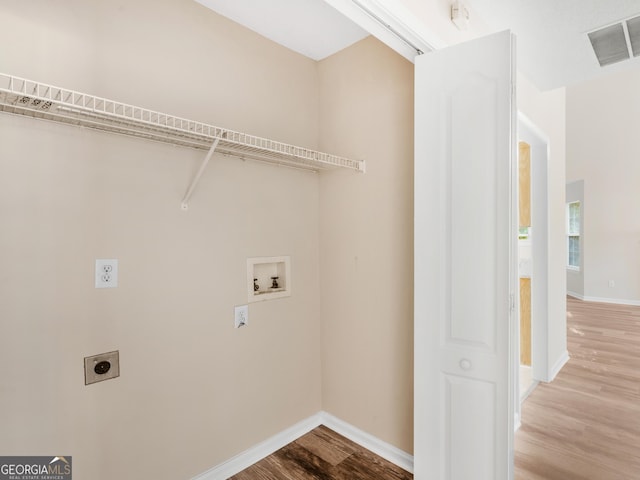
x=529, y=132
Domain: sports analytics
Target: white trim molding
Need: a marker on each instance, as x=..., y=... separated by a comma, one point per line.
x=391, y=23
x=561, y=362
x=517, y=422
x=617, y=301
x=263, y=449
x=368, y=441
x=575, y=295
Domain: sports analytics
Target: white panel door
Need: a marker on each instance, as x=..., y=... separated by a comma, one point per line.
x=465, y=275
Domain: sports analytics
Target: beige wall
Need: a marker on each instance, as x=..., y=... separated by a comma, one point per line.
x=366, y=246
x=602, y=151
x=193, y=391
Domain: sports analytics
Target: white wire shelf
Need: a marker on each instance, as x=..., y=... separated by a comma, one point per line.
x=38, y=100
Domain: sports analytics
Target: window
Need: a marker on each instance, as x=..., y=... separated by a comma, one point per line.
x=573, y=235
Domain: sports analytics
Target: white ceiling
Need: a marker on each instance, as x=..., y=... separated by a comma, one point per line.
x=553, y=48
x=310, y=27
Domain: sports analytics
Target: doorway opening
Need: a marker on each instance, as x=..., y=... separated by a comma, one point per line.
x=533, y=156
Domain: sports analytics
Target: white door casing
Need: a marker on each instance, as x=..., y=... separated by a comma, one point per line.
x=465, y=261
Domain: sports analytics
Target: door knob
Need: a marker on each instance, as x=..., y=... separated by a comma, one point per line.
x=465, y=364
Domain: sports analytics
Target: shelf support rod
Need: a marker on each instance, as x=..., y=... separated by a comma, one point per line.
x=196, y=179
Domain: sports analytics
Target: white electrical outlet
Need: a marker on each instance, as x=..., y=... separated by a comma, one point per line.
x=106, y=273
x=612, y=283
x=241, y=317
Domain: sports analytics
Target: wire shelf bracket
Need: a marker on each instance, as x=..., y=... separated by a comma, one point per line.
x=41, y=101
x=196, y=179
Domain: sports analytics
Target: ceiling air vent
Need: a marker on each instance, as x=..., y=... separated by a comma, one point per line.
x=633, y=27
x=610, y=44
x=617, y=42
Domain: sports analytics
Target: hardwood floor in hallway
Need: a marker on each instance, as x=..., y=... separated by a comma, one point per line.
x=585, y=425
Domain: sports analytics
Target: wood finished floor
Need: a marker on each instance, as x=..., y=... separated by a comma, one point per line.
x=585, y=425
x=322, y=454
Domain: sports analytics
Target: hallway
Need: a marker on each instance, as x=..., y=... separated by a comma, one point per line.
x=586, y=423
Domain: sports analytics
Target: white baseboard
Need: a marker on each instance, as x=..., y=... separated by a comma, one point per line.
x=368, y=441
x=266, y=448
x=617, y=301
x=530, y=389
x=258, y=452
x=561, y=362
x=575, y=295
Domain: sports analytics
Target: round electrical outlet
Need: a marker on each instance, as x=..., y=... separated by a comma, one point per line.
x=102, y=367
